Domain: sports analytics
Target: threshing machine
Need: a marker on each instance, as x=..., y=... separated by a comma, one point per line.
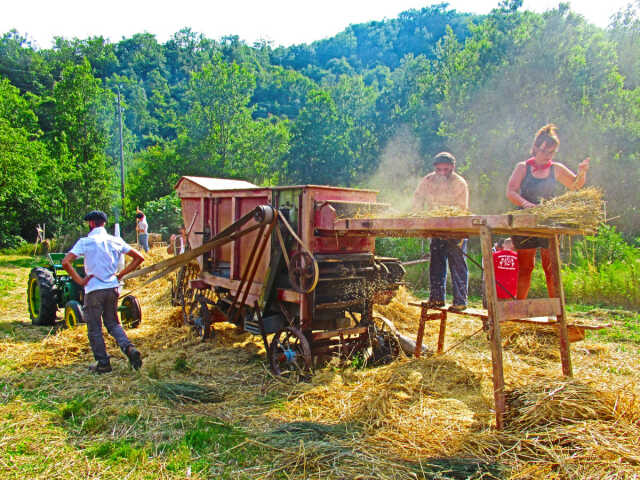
x=265, y=267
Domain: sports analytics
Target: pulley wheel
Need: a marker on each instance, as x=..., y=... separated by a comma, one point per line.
x=264, y=214
x=303, y=272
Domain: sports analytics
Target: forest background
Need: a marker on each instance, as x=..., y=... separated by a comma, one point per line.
x=368, y=107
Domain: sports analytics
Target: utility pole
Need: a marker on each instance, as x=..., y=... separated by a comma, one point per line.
x=121, y=153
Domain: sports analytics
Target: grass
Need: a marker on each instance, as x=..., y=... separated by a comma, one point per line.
x=429, y=418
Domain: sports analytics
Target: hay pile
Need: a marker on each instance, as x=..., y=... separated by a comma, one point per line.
x=420, y=418
x=582, y=209
x=404, y=316
x=566, y=429
x=411, y=408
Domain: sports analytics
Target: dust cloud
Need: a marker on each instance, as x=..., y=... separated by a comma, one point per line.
x=400, y=169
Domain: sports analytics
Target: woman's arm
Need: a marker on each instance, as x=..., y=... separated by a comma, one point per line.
x=569, y=179
x=513, y=186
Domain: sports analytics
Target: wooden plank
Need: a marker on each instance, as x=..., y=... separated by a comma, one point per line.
x=524, y=224
x=495, y=338
x=291, y=296
x=228, y=283
x=234, y=267
x=442, y=331
x=423, y=317
x=305, y=229
x=536, y=307
x=565, y=350
x=338, y=333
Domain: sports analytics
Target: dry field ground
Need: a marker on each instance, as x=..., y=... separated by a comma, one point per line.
x=212, y=410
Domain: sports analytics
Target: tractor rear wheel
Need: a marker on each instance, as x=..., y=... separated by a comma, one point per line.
x=130, y=312
x=41, y=297
x=73, y=314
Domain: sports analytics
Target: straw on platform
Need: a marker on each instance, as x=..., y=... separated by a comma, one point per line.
x=582, y=209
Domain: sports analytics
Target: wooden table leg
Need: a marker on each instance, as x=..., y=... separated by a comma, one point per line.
x=495, y=338
x=423, y=318
x=443, y=329
x=565, y=349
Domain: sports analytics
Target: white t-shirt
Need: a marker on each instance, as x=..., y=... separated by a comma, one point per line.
x=101, y=253
x=143, y=226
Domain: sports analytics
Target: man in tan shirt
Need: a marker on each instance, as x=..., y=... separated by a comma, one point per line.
x=445, y=188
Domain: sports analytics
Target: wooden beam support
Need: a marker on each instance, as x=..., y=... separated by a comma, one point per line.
x=495, y=338
x=563, y=335
x=442, y=331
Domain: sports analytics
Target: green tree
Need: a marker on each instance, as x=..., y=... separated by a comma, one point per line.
x=319, y=147
x=27, y=173
x=218, y=136
x=79, y=139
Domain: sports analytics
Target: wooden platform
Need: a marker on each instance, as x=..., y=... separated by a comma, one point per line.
x=459, y=226
x=576, y=331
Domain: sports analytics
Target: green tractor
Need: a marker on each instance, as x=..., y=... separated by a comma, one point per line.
x=50, y=287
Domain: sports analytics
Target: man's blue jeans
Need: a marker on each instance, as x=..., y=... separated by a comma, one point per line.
x=443, y=251
x=102, y=305
x=143, y=239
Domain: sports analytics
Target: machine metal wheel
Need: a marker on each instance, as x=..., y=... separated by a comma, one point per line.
x=181, y=292
x=384, y=343
x=73, y=314
x=130, y=312
x=290, y=352
x=197, y=315
x=41, y=297
x=303, y=272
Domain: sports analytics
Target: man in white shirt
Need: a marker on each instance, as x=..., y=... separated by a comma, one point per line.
x=445, y=188
x=101, y=253
x=142, y=228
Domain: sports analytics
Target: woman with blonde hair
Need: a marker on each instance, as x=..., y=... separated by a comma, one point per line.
x=534, y=180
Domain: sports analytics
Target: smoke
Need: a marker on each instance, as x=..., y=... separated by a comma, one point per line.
x=399, y=170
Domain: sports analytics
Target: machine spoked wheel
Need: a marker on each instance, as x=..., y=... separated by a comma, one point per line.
x=198, y=317
x=73, y=314
x=303, y=272
x=181, y=291
x=384, y=343
x=41, y=297
x=290, y=353
x=130, y=312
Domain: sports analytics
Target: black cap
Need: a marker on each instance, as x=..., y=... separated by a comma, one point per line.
x=444, y=157
x=96, y=216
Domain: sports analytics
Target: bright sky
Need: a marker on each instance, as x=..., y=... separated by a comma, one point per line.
x=284, y=22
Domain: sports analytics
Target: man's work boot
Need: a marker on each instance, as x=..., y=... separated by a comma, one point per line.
x=100, y=368
x=435, y=303
x=134, y=357
x=457, y=308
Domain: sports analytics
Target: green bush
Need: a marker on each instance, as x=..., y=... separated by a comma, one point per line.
x=603, y=270
x=164, y=215
x=11, y=242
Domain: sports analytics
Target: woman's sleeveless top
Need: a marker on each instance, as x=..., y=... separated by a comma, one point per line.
x=535, y=189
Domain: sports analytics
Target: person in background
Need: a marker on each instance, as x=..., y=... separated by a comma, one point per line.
x=101, y=253
x=505, y=265
x=142, y=227
x=177, y=243
x=445, y=188
x=532, y=181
